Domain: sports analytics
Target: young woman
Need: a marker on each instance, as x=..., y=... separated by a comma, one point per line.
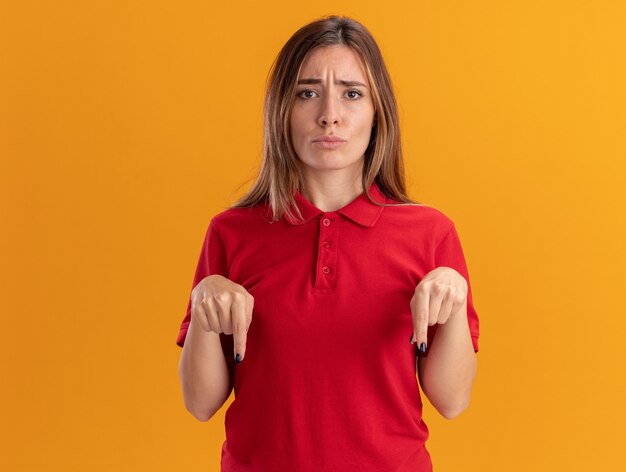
x=322, y=291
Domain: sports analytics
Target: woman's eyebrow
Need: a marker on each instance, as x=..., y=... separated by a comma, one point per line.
x=347, y=83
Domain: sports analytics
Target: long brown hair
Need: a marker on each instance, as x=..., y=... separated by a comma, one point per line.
x=280, y=174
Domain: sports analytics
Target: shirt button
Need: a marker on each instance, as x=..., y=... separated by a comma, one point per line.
x=325, y=244
x=326, y=222
x=325, y=269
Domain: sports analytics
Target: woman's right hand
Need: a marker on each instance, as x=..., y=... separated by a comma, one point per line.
x=222, y=306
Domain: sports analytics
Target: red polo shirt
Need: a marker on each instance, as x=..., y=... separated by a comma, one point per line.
x=328, y=382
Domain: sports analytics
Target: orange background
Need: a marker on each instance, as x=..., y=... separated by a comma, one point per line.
x=124, y=126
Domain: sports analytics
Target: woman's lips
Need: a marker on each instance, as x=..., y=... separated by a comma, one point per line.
x=329, y=144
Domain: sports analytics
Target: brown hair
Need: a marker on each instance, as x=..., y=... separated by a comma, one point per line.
x=280, y=174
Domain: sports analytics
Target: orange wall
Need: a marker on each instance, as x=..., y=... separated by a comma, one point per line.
x=124, y=126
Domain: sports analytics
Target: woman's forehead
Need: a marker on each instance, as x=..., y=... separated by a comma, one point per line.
x=339, y=58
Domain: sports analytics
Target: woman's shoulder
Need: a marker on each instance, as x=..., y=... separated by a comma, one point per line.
x=238, y=216
x=421, y=212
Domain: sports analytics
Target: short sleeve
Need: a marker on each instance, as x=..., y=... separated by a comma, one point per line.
x=449, y=253
x=212, y=260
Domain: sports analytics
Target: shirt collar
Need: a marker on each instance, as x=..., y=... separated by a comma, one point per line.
x=360, y=210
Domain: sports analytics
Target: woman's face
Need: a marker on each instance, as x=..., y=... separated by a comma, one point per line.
x=333, y=100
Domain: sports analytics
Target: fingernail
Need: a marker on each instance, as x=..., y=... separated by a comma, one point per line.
x=423, y=347
x=238, y=358
x=411, y=340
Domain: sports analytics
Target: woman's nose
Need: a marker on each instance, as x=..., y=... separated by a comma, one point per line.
x=329, y=113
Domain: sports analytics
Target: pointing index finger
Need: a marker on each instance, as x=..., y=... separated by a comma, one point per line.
x=420, y=317
x=240, y=308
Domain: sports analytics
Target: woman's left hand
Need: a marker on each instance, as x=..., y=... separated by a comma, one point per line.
x=440, y=294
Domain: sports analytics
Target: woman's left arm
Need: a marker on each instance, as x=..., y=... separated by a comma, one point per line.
x=447, y=373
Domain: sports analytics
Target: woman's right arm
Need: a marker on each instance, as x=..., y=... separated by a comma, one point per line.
x=218, y=305
x=204, y=372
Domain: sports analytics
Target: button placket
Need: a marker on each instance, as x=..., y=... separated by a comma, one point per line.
x=327, y=254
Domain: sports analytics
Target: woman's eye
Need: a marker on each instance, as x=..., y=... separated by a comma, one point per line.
x=357, y=92
x=304, y=94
